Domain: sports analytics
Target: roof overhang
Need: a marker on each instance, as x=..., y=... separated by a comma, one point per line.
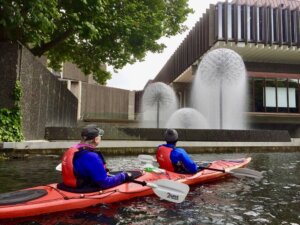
x=250, y=53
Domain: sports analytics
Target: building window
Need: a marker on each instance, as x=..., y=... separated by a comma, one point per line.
x=275, y=95
x=270, y=95
x=258, y=94
x=293, y=85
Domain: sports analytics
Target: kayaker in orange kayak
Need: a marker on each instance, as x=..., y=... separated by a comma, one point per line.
x=84, y=168
x=172, y=158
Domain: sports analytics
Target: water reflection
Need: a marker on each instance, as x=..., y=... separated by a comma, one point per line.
x=273, y=200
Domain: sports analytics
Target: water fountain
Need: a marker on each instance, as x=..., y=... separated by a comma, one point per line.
x=219, y=89
x=158, y=103
x=187, y=118
x=217, y=108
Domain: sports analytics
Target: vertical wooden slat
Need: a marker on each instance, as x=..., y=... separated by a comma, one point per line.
x=264, y=96
x=298, y=27
x=280, y=26
x=289, y=27
x=235, y=23
x=245, y=21
x=254, y=25
x=225, y=17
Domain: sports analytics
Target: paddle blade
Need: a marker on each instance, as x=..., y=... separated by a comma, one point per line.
x=58, y=167
x=245, y=172
x=146, y=159
x=169, y=190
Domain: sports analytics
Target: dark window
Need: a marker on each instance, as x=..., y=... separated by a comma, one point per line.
x=270, y=95
x=282, y=95
x=251, y=94
x=293, y=90
x=258, y=90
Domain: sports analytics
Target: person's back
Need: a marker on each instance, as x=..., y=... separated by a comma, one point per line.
x=171, y=158
x=83, y=167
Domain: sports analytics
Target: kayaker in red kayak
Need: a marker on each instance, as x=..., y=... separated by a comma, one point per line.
x=171, y=158
x=84, y=168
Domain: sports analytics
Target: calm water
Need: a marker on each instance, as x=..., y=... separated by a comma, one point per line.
x=273, y=200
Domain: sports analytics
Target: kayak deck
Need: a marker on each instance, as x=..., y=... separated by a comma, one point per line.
x=56, y=200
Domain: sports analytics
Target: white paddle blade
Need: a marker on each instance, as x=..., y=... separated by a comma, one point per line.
x=245, y=172
x=169, y=190
x=146, y=159
x=58, y=167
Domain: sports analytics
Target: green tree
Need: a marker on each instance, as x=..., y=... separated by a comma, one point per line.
x=91, y=33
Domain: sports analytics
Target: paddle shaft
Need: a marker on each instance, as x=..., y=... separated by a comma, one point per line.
x=143, y=183
x=207, y=168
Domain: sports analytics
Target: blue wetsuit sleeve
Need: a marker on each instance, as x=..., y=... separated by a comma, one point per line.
x=111, y=181
x=93, y=167
x=180, y=154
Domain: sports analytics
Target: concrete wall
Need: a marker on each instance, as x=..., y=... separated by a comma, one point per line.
x=106, y=103
x=45, y=101
x=153, y=134
x=72, y=72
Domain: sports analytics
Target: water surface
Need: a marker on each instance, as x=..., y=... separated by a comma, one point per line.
x=273, y=200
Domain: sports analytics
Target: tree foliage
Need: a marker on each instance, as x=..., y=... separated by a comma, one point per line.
x=91, y=33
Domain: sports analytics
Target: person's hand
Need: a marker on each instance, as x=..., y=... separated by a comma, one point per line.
x=128, y=176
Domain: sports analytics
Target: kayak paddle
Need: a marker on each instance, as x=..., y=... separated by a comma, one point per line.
x=146, y=159
x=58, y=167
x=238, y=172
x=169, y=190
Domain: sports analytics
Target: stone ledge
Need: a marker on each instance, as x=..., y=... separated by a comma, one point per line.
x=153, y=134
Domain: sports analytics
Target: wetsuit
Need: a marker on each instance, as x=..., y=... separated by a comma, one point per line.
x=179, y=158
x=89, y=168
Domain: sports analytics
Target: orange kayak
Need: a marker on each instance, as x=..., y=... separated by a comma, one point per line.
x=48, y=198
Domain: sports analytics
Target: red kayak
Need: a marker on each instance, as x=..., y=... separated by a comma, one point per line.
x=49, y=198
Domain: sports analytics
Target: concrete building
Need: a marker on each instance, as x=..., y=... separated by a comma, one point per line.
x=96, y=103
x=267, y=36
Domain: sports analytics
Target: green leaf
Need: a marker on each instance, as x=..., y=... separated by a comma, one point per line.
x=93, y=33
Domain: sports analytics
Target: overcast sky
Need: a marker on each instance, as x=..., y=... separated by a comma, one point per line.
x=135, y=76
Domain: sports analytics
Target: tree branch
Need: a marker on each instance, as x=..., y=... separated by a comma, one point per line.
x=44, y=47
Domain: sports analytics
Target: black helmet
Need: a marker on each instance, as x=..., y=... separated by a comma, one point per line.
x=91, y=131
x=171, y=135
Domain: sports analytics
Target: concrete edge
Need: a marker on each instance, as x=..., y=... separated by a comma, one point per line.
x=26, y=145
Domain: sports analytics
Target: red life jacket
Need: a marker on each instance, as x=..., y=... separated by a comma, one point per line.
x=163, y=154
x=68, y=175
